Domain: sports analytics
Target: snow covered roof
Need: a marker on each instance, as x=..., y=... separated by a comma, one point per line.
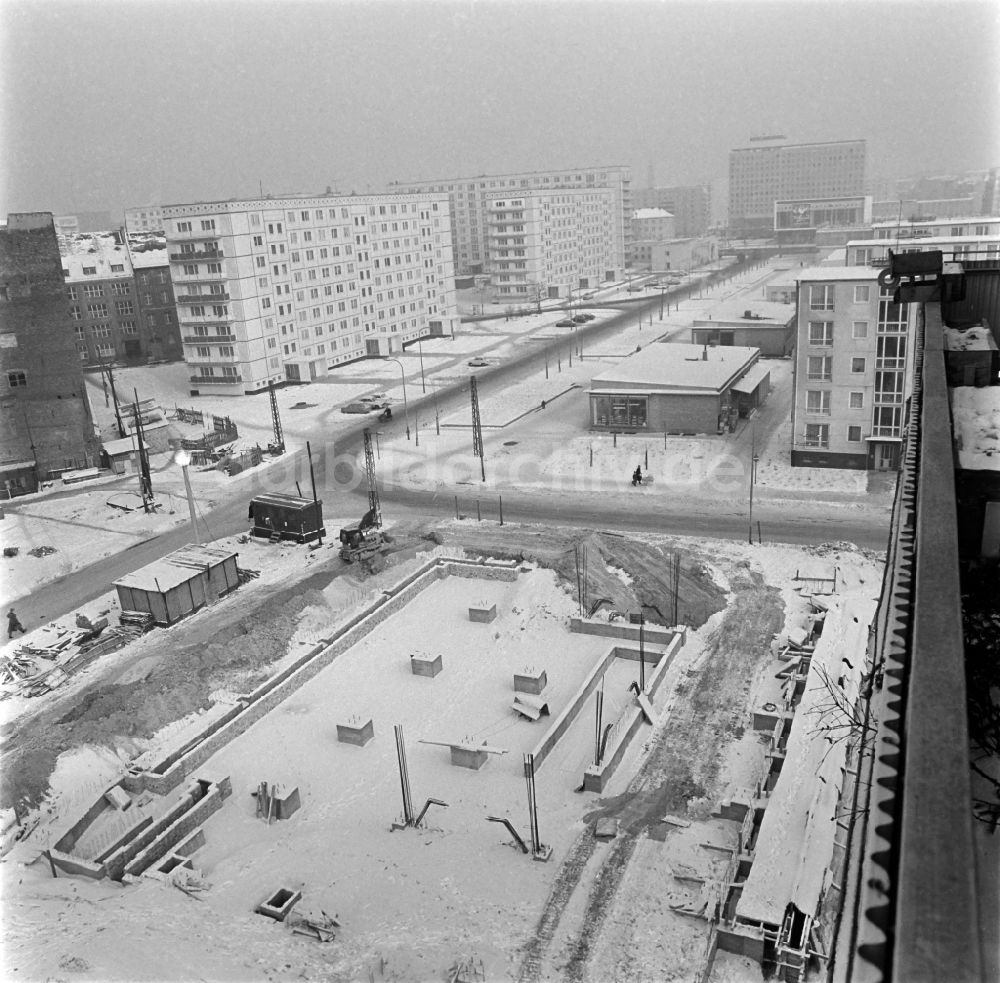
x=795, y=844
x=94, y=250
x=123, y=445
x=826, y=273
x=641, y=213
x=678, y=368
x=767, y=313
x=175, y=568
x=975, y=339
x=754, y=376
x=148, y=249
x=975, y=420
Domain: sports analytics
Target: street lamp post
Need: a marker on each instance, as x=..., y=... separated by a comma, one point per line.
x=420, y=349
x=402, y=375
x=183, y=459
x=753, y=478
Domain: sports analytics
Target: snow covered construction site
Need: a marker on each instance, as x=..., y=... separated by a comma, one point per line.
x=502, y=753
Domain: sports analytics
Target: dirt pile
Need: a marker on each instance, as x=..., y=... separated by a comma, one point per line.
x=619, y=573
x=173, y=686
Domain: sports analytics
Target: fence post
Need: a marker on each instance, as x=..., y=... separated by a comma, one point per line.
x=456, y=507
x=479, y=514
x=500, y=497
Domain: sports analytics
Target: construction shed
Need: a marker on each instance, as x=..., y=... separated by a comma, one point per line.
x=179, y=583
x=277, y=516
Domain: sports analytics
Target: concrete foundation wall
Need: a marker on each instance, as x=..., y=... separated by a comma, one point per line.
x=621, y=629
x=742, y=941
x=272, y=692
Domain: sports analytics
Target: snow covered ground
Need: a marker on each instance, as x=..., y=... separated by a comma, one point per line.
x=976, y=425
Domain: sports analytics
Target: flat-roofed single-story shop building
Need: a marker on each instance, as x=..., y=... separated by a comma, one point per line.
x=679, y=388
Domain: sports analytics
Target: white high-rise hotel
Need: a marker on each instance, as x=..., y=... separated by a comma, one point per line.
x=280, y=289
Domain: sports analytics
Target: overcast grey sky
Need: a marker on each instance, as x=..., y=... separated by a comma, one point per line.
x=109, y=105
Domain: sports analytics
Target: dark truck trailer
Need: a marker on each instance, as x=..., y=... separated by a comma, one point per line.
x=278, y=516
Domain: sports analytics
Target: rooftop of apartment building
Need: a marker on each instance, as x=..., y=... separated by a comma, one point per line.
x=148, y=249
x=291, y=199
x=88, y=255
x=786, y=146
x=641, y=213
x=678, y=367
x=486, y=177
x=762, y=312
x=837, y=273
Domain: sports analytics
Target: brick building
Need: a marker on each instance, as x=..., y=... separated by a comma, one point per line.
x=104, y=302
x=159, y=333
x=45, y=421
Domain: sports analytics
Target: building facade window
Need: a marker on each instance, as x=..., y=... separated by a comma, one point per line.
x=859, y=329
x=821, y=334
x=862, y=294
x=16, y=379
x=818, y=401
x=854, y=435
x=820, y=367
x=817, y=435
x=857, y=365
x=821, y=297
x=857, y=400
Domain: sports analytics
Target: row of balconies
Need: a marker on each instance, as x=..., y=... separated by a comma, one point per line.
x=217, y=380
x=200, y=255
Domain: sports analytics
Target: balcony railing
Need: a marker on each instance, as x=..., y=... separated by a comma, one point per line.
x=200, y=256
x=216, y=380
x=895, y=431
x=210, y=339
x=202, y=298
x=890, y=363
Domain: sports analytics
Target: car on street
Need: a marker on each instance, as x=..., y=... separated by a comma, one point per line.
x=566, y=322
x=589, y=296
x=580, y=318
x=374, y=398
x=633, y=289
x=357, y=407
x=477, y=363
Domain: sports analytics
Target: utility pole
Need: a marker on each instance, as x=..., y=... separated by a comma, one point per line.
x=477, y=427
x=312, y=478
x=114, y=395
x=278, y=446
x=753, y=477
x=145, y=480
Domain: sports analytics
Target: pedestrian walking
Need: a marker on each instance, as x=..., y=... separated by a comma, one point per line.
x=637, y=476
x=13, y=624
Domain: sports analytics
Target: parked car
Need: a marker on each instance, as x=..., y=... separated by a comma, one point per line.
x=566, y=322
x=357, y=407
x=477, y=363
x=588, y=296
x=633, y=289
x=586, y=316
x=374, y=398
x=579, y=319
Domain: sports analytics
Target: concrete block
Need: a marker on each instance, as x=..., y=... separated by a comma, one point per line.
x=357, y=734
x=530, y=682
x=287, y=802
x=424, y=665
x=466, y=756
x=118, y=797
x=483, y=612
x=279, y=904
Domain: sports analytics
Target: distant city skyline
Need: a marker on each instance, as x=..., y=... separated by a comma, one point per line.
x=107, y=106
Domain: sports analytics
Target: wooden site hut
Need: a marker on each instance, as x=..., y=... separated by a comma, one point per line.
x=278, y=516
x=179, y=583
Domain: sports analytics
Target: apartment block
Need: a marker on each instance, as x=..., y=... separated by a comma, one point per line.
x=45, y=421
x=853, y=370
x=146, y=218
x=103, y=308
x=285, y=289
x=767, y=171
x=469, y=199
x=690, y=205
x=650, y=224
x=549, y=244
x=159, y=334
